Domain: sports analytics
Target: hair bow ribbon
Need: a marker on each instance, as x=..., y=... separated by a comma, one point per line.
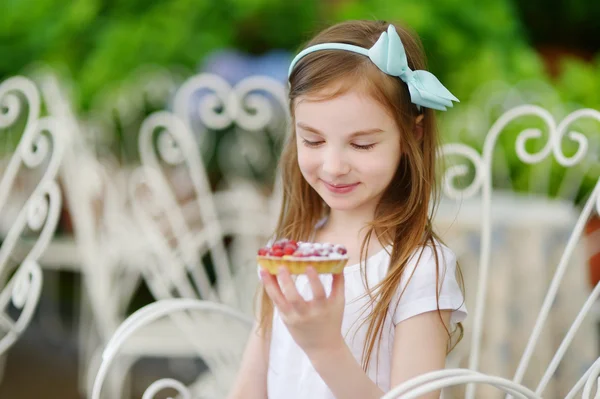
x=425, y=89
x=388, y=54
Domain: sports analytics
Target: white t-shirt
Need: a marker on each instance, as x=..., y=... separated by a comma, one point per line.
x=291, y=374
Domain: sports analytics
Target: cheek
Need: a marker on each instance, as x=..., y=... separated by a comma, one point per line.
x=308, y=161
x=381, y=166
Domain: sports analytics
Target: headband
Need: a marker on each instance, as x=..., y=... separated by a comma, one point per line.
x=389, y=56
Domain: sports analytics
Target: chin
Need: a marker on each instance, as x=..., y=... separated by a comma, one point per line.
x=338, y=206
x=342, y=204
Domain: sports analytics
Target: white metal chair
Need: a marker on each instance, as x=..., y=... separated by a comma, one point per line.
x=520, y=384
x=105, y=247
x=181, y=227
x=38, y=154
x=185, y=225
x=214, y=332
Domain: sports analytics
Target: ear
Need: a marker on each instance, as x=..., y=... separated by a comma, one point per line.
x=418, y=129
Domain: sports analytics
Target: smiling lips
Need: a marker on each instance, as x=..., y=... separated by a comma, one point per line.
x=340, y=188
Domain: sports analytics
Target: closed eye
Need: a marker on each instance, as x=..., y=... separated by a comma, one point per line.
x=312, y=143
x=363, y=147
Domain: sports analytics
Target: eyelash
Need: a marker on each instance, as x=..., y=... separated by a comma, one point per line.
x=314, y=144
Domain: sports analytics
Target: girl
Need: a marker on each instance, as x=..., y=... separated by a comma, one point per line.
x=358, y=170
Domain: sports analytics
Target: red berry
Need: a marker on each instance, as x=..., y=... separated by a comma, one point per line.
x=289, y=250
x=342, y=250
x=263, y=251
x=277, y=252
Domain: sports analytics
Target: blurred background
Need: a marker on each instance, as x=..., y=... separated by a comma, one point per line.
x=109, y=78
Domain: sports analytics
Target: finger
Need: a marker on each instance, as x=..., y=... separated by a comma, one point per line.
x=273, y=290
x=315, y=284
x=290, y=292
x=337, y=286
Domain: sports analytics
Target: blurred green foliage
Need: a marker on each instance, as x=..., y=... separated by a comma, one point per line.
x=470, y=45
x=99, y=43
x=569, y=24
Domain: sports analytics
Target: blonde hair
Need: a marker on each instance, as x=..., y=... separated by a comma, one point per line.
x=402, y=216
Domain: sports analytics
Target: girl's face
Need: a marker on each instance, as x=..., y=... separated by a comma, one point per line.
x=348, y=149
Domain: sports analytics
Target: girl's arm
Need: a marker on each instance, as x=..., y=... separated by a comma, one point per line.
x=420, y=344
x=343, y=374
x=316, y=327
x=251, y=381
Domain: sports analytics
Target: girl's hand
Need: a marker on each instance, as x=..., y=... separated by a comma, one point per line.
x=315, y=325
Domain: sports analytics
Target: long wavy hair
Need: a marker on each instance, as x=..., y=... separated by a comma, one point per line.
x=402, y=217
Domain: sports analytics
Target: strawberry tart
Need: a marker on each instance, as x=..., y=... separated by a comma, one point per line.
x=296, y=256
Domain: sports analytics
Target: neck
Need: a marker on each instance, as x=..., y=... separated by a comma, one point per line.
x=349, y=225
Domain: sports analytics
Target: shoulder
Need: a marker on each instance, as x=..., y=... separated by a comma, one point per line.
x=425, y=259
x=431, y=258
x=429, y=265
x=430, y=281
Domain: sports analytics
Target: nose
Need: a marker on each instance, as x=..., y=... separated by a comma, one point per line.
x=335, y=163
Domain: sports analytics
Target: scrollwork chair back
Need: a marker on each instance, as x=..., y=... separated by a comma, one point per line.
x=481, y=183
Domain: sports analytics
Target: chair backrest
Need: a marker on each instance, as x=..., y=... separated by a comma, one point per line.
x=532, y=376
x=182, y=215
x=102, y=229
x=38, y=155
x=215, y=332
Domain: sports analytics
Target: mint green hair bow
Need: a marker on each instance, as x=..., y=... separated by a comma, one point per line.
x=389, y=56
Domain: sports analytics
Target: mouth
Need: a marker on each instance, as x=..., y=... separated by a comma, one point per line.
x=340, y=185
x=340, y=188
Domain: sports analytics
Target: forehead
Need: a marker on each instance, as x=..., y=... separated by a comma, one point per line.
x=349, y=111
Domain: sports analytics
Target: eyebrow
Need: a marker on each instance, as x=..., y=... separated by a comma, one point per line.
x=354, y=134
